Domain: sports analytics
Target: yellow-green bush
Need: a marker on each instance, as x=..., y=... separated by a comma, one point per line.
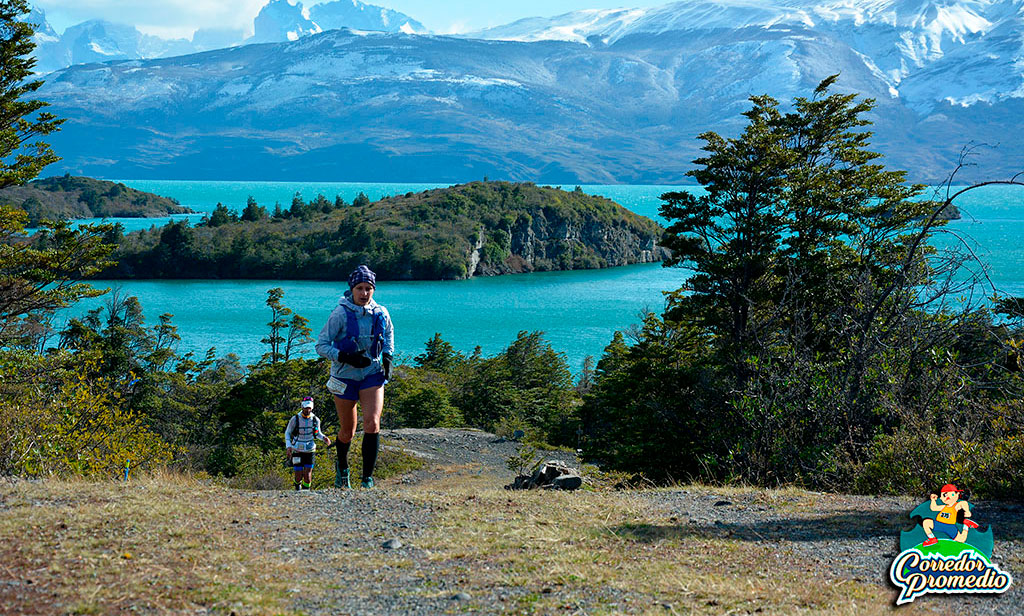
x=59, y=420
x=917, y=460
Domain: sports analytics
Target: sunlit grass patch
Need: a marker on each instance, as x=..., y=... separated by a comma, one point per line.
x=605, y=548
x=164, y=543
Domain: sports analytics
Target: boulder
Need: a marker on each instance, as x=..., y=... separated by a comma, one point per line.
x=552, y=475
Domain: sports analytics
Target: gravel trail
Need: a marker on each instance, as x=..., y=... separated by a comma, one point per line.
x=361, y=545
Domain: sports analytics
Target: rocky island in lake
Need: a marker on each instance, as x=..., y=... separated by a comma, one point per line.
x=475, y=229
x=66, y=197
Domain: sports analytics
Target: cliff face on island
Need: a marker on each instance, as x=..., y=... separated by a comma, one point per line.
x=474, y=229
x=542, y=244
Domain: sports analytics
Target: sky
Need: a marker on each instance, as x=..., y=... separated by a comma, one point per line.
x=180, y=18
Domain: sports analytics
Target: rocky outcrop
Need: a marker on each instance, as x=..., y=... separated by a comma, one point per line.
x=542, y=243
x=552, y=475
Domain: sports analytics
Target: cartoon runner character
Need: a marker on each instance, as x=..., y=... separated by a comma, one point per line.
x=946, y=519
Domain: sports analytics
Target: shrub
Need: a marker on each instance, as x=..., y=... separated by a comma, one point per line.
x=420, y=399
x=61, y=421
x=259, y=470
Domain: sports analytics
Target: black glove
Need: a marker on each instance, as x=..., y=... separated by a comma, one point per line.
x=385, y=362
x=359, y=360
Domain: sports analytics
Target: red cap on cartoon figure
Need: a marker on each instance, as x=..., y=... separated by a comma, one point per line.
x=949, y=487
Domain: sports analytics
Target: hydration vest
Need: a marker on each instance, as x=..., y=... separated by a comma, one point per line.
x=297, y=430
x=350, y=343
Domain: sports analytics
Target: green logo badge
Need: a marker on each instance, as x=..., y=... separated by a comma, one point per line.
x=946, y=550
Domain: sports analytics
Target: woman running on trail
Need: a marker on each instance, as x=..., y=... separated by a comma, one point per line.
x=359, y=339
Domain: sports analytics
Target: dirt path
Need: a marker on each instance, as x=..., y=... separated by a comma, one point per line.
x=342, y=534
x=832, y=539
x=449, y=539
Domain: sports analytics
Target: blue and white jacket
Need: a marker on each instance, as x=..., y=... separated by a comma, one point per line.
x=335, y=332
x=302, y=432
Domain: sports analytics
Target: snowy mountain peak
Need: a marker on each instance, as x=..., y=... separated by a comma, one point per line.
x=357, y=15
x=916, y=48
x=577, y=26
x=280, y=20
x=935, y=18
x=44, y=31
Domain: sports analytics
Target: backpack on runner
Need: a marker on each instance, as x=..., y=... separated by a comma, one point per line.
x=349, y=343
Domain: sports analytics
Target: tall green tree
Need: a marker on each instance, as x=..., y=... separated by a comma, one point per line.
x=529, y=383
x=275, y=338
x=816, y=323
x=796, y=216
x=439, y=355
x=40, y=276
x=253, y=211
x=299, y=336
x=795, y=248
x=21, y=121
x=35, y=277
x=221, y=216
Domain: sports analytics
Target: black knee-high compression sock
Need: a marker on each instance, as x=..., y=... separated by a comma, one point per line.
x=342, y=455
x=370, y=444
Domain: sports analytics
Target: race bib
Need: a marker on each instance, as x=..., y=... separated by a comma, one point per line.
x=336, y=386
x=296, y=460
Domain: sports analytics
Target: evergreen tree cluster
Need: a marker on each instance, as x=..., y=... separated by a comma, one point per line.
x=819, y=340
x=528, y=387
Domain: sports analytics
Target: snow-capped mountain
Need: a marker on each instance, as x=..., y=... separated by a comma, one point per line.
x=100, y=41
x=280, y=20
x=905, y=43
x=623, y=105
x=44, y=31
x=277, y=21
x=357, y=15
x=97, y=41
x=49, y=53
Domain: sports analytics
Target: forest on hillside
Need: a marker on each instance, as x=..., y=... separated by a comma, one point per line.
x=68, y=197
x=479, y=228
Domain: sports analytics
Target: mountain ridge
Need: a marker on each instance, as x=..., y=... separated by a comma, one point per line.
x=346, y=105
x=99, y=40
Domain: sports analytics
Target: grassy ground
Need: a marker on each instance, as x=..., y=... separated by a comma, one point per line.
x=171, y=544
x=163, y=544
x=568, y=549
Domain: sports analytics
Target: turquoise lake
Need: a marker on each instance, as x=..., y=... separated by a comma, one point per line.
x=578, y=311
